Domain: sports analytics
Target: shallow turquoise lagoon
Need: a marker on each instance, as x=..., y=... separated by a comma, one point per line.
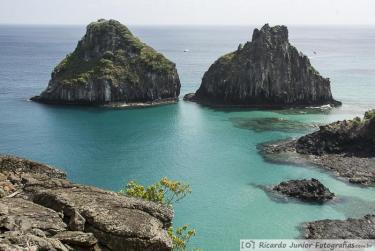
x=213, y=150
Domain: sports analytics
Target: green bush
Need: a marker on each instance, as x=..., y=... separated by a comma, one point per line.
x=165, y=192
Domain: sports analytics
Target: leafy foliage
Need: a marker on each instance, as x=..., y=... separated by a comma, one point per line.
x=370, y=114
x=164, y=191
x=181, y=237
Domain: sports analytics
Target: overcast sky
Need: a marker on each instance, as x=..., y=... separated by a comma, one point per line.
x=210, y=12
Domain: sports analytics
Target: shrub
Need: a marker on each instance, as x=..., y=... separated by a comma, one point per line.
x=165, y=192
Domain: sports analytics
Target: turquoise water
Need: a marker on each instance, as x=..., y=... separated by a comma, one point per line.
x=205, y=147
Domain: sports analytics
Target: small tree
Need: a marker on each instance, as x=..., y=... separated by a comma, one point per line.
x=181, y=237
x=165, y=192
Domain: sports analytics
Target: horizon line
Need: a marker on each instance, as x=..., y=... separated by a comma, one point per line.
x=161, y=24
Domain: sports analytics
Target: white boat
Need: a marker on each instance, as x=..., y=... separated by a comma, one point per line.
x=186, y=50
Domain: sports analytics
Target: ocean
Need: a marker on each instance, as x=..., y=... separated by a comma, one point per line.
x=214, y=150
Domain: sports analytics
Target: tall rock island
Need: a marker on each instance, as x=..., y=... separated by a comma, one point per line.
x=111, y=66
x=268, y=71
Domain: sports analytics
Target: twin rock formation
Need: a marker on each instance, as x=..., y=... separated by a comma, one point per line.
x=111, y=66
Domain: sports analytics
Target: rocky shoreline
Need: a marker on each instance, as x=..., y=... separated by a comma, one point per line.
x=345, y=148
x=41, y=210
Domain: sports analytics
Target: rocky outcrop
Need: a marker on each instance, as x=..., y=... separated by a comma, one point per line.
x=305, y=190
x=363, y=228
x=45, y=211
x=347, y=148
x=268, y=71
x=355, y=137
x=111, y=66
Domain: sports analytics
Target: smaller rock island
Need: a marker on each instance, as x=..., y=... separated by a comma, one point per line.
x=346, y=148
x=305, y=190
x=266, y=72
x=111, y=66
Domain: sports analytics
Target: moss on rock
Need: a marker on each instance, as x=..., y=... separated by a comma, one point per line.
x=110, y=64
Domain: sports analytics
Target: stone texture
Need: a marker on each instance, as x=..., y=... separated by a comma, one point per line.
x=50, y=213
x=111, y=66
x=305, y=190
x=268, y=71
x=363, y=228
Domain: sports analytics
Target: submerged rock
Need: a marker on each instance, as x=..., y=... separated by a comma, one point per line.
x=346, y=148
x=362, y=228
x=59, y=215
x=268, y=71
x=271, y=124
x=305, y=190
x=110, y=65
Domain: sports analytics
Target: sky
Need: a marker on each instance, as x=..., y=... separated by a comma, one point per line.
x=190, y=12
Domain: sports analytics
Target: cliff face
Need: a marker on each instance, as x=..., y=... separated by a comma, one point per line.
x=267, y=71
x=41, y=210
x=111, y=65
x=355, y=137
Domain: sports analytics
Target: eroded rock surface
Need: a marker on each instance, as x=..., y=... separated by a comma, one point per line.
x=268, y=71
x=111, y=66
x=362, y=228
x=47, y=211
x=305, y=190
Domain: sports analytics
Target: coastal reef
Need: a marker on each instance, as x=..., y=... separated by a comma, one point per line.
x=346, y=148
x=41, y=210
x=112, y=66
x=266, y=72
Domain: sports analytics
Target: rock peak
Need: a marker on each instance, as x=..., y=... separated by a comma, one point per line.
x=278, y=32
x=268, y=71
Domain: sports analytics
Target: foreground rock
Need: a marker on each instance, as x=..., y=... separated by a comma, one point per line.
x=111, y=66
x=305, y=190
x=363, y=228
x=45, y=211
x=347, y=148
x=266, y=72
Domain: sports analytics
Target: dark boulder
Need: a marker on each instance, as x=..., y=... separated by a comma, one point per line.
x=305, y=190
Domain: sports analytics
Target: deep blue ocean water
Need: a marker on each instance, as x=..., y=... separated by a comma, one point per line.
x=213, y=150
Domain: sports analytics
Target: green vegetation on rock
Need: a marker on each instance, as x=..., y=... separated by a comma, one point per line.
x=369, y=115
x=165, y=192
x=118, y=61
